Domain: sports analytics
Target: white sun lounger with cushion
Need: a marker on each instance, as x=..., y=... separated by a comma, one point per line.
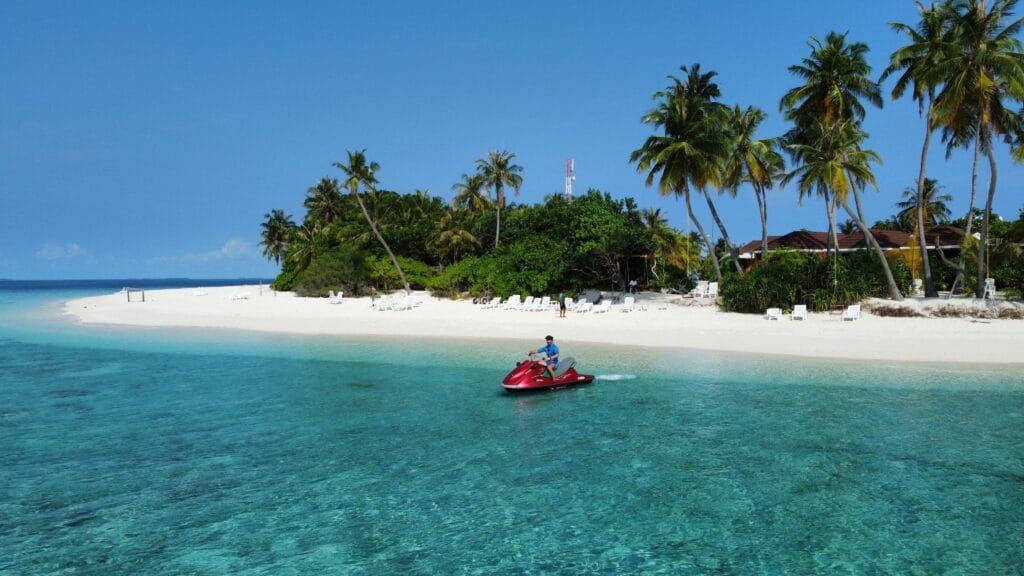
x=700, y=290
x=542, y=304
x=335, y=298
x=527, y=304
x=603, y=307
x=799, y=312
x=512, y=303
x=852, y=312
x=712, y=290
x=773, y=314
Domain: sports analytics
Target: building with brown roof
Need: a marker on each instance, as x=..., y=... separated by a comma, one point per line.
x=946, y=238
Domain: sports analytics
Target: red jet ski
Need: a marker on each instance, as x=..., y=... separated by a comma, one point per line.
x=530, y=375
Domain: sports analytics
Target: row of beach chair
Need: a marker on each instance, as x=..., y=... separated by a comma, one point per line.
x=397, y=302
x=514, y=302
x=533, y=304
x=852, y=312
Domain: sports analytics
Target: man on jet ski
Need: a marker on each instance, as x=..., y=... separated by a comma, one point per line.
x=551, y=351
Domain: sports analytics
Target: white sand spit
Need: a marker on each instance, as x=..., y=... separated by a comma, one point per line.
x=664, y=323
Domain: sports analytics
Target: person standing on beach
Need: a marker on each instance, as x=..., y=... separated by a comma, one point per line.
x=561, y=304
x=551, y=352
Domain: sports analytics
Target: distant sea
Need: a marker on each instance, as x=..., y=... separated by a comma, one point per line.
x=173, y=451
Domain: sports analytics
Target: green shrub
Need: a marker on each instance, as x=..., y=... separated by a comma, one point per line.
x=467, y=275
x=340, y=270
x=385, y=276
x=285, y=281
x=787, y=278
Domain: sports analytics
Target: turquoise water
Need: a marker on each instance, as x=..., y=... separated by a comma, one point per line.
x=128, y=451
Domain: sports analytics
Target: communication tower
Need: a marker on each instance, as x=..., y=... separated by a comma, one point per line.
x=570, y=175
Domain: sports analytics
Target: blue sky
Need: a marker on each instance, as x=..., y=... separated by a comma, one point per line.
x=145, y=139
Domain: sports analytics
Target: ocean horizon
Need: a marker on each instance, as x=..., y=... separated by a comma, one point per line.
x=178, y=451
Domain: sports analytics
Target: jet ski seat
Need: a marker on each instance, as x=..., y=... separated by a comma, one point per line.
x=564, y=365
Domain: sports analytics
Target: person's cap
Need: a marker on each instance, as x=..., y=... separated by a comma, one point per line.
x=549, y=337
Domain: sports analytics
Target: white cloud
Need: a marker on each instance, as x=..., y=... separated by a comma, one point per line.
x=54, y=251
x=233, y=249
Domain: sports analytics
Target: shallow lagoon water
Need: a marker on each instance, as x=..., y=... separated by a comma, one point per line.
x=179, y=452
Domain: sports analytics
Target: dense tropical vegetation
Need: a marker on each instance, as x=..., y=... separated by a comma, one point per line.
x=963, y=65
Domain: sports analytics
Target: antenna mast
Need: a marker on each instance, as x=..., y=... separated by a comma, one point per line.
x=570, y=175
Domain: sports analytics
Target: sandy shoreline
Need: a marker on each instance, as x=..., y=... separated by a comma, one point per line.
x=665, y=324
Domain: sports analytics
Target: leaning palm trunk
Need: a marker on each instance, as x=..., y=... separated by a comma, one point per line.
x=725, y=235
x=380, y=238
x=499, y=194
x=979, y=289
x=894, y=291
x=707, y=241
x=832, y=244
x=922, y=244
x=960, y=272
x=762, y=208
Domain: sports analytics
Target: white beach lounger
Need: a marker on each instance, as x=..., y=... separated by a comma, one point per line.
x=335, y=298
x=799, y=312
x=240, y=296
x=700, y=290
x=603, y=307
x=712, y=290
x=628, y=304
x=512, y=303
x=773, y=314
x=852, y=312
x=542, y=304
x=526, y=305
x=578, y=307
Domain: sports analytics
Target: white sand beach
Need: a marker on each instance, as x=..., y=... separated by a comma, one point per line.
x=660, y=321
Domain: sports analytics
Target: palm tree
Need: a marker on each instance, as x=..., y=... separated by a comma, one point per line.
x=935, y=211
x=274, y=237
x=663, y=238
x=848, y=227
x=833, y=162
x=498, y=171
x=693, y=146
x=361, y=174
x=323, y=201
x=984, y=68
x=835, y=81
x=669, y=244
x=919, y=60
x=417, y=206
x=471, y=194
x=753, y=161
x=452, y=238
x=302, y=244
